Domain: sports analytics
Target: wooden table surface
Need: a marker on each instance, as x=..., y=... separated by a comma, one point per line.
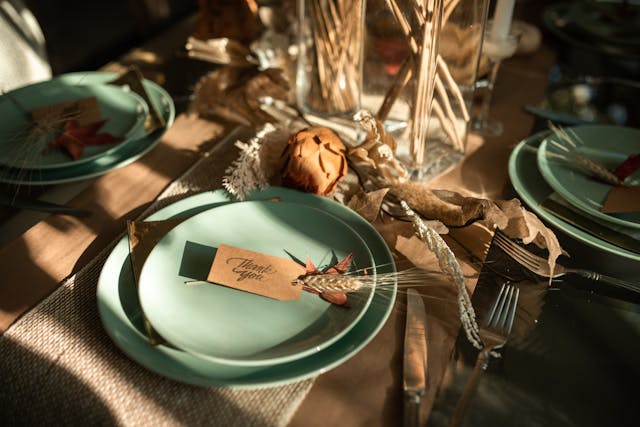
x=58, y=246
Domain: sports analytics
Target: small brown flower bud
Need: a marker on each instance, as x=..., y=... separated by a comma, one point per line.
x=316, y=161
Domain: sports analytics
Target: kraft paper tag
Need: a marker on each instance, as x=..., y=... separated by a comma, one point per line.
x=255, y=272
x=84, y=110
x=622, y=199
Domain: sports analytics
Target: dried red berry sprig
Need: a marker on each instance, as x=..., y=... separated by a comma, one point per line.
x=74, y=138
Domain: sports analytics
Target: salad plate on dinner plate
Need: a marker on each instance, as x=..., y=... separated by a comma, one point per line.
x=609, y=146
x=241, y=328
x=122, y=155
x=121, y=315
x=23, y=147
x=533, y=190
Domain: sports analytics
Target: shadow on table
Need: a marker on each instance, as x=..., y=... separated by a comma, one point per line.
x=576, y=366
x=36, y=391
x=63, y=384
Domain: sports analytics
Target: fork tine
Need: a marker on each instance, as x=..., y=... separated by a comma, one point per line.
x=496, y=307
x=516, y=251
x=506, y=308
x=503, y=311
x=510, y=314
x=505, y=242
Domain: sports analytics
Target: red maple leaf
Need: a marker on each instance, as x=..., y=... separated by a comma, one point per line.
x=74, y=137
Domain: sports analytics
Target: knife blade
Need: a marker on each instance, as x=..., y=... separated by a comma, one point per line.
x=590, y=226
x=21, y=202
x=415, y=358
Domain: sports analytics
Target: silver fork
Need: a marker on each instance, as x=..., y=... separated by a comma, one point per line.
x=539, y=265
x=494, y=333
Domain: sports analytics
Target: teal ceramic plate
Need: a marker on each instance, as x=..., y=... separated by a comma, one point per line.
x=533, y=189
x=236, y=327
x=121, y=315
x=610, y=146
x=121, y=156
x=124, y=111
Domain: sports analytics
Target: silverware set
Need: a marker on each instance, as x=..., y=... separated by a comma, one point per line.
x=540, y=266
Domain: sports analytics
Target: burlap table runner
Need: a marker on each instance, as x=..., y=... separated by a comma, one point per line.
x=59, y=367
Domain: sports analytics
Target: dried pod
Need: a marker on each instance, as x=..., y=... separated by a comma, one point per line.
x=315, y=162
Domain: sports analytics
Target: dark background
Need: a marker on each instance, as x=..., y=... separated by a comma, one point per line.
x=83, y=35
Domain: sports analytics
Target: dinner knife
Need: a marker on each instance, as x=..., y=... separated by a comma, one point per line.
x=21, y=202
x=415, y=358
x=590, y=226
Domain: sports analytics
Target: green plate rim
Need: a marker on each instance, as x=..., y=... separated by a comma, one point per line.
x=524, y=185
x=136, y=149
x=548, y=170
x=133, y=133
x=179, y=341
x=182, y=367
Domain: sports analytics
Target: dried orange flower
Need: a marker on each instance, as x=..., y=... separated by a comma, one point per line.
x=316, y=161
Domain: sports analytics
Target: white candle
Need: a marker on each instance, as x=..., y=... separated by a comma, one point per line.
x=502, y=19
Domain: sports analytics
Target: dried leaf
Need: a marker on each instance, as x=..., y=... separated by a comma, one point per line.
x=378, y=150
x=231, y=93
x=450, y=209
x=543, y=237
x=368, y=204
x=74, y=137
x=454, y=209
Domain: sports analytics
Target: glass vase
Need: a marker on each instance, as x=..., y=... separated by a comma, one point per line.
x=329, y=66
x=419, y=71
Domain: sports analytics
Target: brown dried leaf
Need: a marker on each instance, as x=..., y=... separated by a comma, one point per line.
x=368, y=204
x=377, y=151
x=232, y=93
x=456, y=210
x=448, y=209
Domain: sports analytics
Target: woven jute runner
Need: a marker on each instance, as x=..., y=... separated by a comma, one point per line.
x=59, y=367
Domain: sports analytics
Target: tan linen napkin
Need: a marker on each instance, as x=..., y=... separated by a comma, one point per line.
x=59, y=366
x=143, y=237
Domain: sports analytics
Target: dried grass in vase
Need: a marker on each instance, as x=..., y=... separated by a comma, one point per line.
x=336, y=31
x=419, y=25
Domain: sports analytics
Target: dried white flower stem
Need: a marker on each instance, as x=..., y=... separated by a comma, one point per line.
x=245, y=174
x=448, y=264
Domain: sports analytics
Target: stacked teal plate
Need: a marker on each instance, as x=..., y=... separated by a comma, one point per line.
x=29, y=162
x=241, y=328
x=533, y=189
x=250, y=361
x=607, y=145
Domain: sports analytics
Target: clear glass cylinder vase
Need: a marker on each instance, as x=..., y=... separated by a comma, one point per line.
x=420, y=66
x=329, y=65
